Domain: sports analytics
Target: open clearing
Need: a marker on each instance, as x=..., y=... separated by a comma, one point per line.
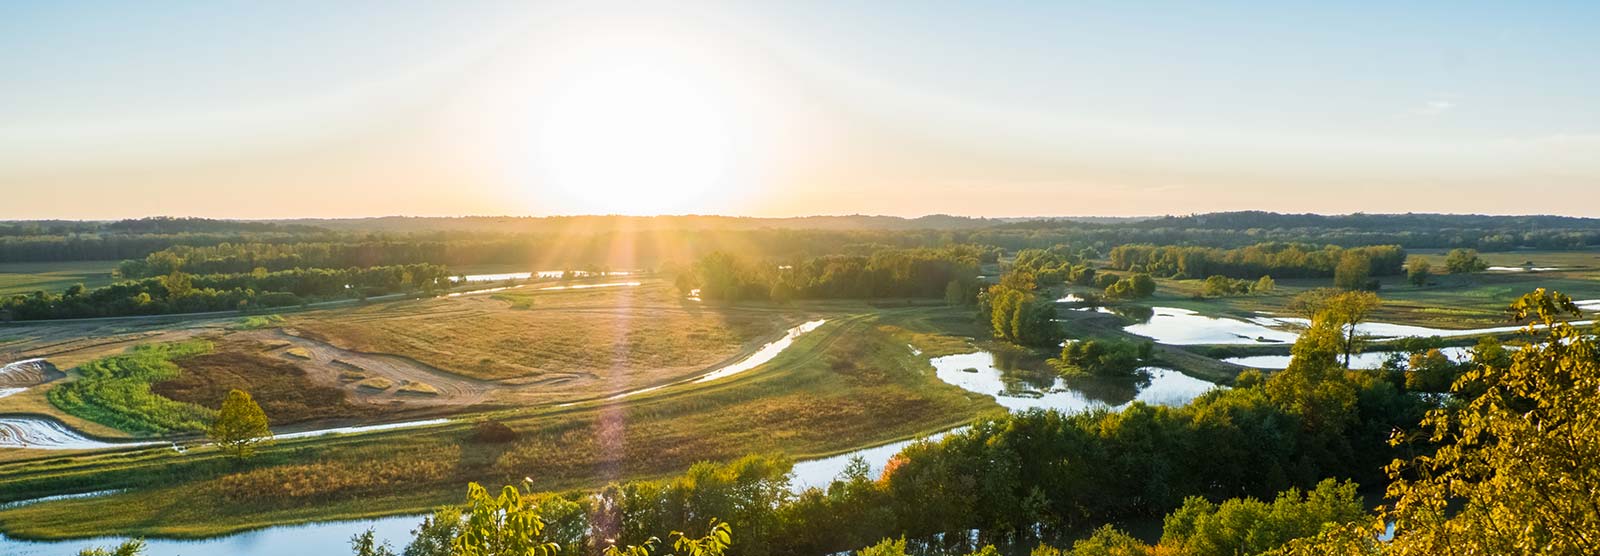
x=567, y=340
x=285, y=391
x=53, y=277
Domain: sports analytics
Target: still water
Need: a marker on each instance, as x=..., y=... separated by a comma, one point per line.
x=1018, y=390
x=1182, y=327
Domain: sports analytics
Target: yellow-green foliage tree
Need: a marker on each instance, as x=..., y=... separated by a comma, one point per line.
x=505, y=525
x=133, y=547
x=1463, y=261
x=1517, y=466
x=241, y=426
x=1341, y=311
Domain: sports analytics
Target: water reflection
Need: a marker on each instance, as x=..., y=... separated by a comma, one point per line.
x=1019, y=384
x=1171, y=325
x=332, y=537
x=1175, y=326
x=1368, y=360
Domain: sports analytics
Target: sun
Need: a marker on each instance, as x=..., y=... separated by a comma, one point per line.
x=634, y=138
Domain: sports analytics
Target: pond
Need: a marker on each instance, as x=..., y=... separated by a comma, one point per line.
x=1175, y=326
x=1018, y=389
x=1521, y=268
x=1368, y=360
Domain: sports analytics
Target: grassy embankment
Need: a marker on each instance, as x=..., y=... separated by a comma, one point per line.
x=851, y=383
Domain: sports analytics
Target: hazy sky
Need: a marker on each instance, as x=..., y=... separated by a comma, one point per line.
x=282, y=109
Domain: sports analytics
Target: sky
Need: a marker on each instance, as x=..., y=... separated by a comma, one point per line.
x=332, y=109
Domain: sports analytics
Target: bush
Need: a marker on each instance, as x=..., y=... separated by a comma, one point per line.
x=493, y=432
x=1105, y=357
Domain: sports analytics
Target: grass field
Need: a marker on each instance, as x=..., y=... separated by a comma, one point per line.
x=576, y=336
x=848, y=384
x=53, y=277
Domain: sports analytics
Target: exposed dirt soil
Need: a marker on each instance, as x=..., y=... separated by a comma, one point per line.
x=285, y=391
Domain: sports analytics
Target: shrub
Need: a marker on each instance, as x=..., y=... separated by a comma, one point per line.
x=493, y=432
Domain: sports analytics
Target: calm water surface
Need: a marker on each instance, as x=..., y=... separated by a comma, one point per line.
x=1018, y=390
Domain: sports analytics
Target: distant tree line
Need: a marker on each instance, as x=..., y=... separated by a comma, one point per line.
x=180, y=292
x=651, y=241
x=1238, y=229
x=1282, y=260
x=887, y=272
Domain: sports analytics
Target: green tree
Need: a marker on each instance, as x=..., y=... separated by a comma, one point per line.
x=1264, y=285
x=432, y=537
x=1218, y=286
x=1250, y=526
x=177, y=284
x=715, y=542
x=1018, y=316
x=1105, y=357
x=1464, y=261
x=1353, y=273
x=886, y=547
x=1138, y=286
x=1431, y=371
x=957, y=293
x=240, y=425
x=133, y=547
x=505, y=525
x=1143, y=285
x=1513, y=467
x=1418, y=271
x=1342, y=312
x=366, y=544
x=1105, y=541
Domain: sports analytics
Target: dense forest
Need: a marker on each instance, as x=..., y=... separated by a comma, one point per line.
x=180, y=292
x=1266, y=259
x=888, y=272
x=649, y=241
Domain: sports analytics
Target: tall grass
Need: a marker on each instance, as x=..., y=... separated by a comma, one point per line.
x=115, y=391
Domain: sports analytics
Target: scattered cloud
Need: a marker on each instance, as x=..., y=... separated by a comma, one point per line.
x=1436, y=107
